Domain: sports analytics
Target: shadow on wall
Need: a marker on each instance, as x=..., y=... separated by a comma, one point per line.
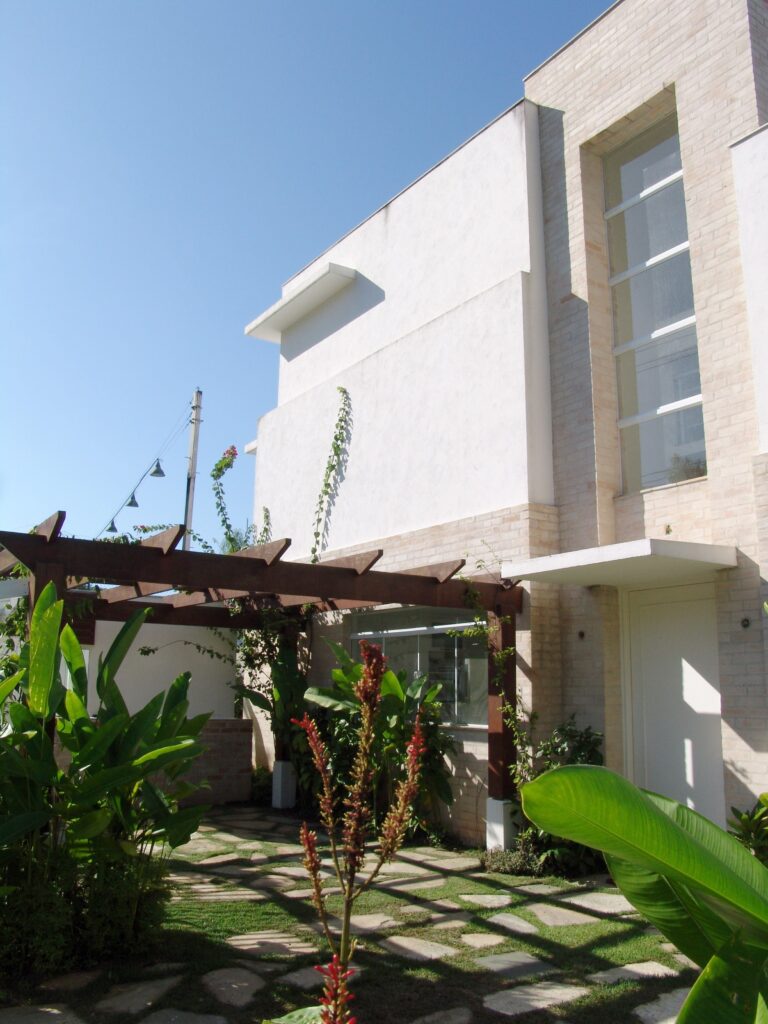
x=569, y=351
x=465, y=818
x=339, y=311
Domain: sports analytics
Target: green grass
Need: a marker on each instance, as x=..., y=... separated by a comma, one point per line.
x=390, y=988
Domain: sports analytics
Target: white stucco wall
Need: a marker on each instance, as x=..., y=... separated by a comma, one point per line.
x=441, y=342
x=142, y=676
x=750, y=160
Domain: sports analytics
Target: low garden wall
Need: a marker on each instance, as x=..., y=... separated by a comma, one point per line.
x=226, y=762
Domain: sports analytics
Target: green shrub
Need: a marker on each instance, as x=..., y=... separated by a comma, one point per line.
x=751, y=828
x=79, y=844
x=261, y=787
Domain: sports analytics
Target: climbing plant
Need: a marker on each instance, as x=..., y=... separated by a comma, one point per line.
x=333, y=474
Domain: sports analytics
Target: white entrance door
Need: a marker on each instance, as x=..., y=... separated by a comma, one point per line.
x=676, y=746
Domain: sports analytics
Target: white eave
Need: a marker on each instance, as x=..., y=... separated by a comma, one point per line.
x=323, y=284
x=647, y=562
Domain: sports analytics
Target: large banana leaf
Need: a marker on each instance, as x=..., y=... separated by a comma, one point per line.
x=700, y=887
x=43, y=650
x=106, y=687
x=73, y=656
x=19, y=825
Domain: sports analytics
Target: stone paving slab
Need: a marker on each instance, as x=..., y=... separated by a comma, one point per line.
x=559, y=917
x=482, y=940
x=456, y=864
x=448, y=922
x=51, y=1013
x=632, y=972
x=167, y=967
x=221, y=858
x=182, y=1017
x=409, y=885
x=512, y=966
x=514, y=923
x=308, y=978
x=417, y=949
x=685, y=961
x=71, y=982
x=267, y=942
x=602, y=902
x=233, y=986
x=539, y=888
x=137, y=996
x=664, y=1009
x=361, y=924
x=290, y=850
x=513, y=1002
x=400, y=867
x=433, y=906
x=459, y=1015
x=487, y=899
x=196, y=846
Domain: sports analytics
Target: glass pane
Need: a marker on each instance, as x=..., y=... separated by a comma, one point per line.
x=664, y=450
x=653, y=226
x=652, y=299
x=656, y=374
x=438, y=660
x=649, y=158
x=472, y=682
x=402, y=654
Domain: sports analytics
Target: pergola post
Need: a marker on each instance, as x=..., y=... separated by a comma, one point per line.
x=501, y=748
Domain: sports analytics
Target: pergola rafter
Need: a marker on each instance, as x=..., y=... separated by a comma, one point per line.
x=131, y=576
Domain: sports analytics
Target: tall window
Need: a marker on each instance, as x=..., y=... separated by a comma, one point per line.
x=654, y=323
x=458, y=663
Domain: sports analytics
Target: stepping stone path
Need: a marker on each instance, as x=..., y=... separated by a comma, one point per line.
x=53, y=1013
x=246, y=857
x=417, y=949
x=136, y=997
x=558, y=917
x=233, y=986
x=513, y=1002
x=632, y=972
x=480, y=940
x=513, y=923
x=482, y=899
x=663, y=1010
x=511, y=966
x=461, y=1015
x=182, y=1017
x=601, y=902
x=269, y=942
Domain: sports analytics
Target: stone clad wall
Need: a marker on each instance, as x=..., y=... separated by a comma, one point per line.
x=226, y=763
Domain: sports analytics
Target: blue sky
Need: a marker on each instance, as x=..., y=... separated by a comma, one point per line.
x=165, y=165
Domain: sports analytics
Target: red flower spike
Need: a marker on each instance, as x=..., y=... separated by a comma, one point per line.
x=320, y=760
x=336, y=994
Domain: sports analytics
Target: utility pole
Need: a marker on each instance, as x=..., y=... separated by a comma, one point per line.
x=194, y=433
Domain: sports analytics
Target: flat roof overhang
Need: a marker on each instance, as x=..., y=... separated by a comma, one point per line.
x=328, y=280
x=648, y=562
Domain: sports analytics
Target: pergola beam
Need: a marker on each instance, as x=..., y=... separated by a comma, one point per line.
x=50, y=529
x=198, y=571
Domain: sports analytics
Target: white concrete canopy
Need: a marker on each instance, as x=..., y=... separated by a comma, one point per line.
x=327, y=280
x=647, y=562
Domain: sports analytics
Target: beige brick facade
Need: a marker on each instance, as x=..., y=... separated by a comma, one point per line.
x=706, y=61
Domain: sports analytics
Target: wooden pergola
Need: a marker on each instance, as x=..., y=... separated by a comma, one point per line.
x=192, y=588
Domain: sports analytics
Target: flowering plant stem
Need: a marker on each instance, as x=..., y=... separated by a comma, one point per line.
x=349, y=827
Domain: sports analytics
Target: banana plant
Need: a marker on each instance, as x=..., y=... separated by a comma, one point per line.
x=110, y=790
x=700, y=887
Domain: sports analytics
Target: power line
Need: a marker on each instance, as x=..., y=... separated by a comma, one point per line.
x=179, y=426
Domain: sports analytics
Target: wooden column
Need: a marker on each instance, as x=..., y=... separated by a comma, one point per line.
x=42, y=574
x=501, y=691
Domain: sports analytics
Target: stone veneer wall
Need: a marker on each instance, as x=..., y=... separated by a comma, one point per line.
x=643, y=58
x=226, y=762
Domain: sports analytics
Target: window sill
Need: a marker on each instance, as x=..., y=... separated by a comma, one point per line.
x=660, y=487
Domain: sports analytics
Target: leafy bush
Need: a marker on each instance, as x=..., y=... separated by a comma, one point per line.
x=261, y=787
x=400, y=703
x=536, y=852
x=77, y=842
x=751, y=828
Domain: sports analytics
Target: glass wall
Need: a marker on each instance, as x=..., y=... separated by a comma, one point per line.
x=654, y=322
x=427, y=641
